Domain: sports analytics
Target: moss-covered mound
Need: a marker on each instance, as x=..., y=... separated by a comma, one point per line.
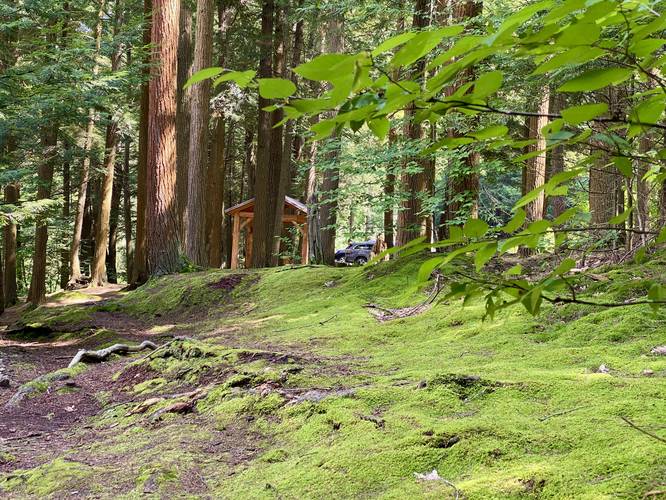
x=286, y=387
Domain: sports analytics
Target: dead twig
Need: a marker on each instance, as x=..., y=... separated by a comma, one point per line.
x=26, y=436
x=102, y=354
x=640, y=429
x=563, y=412
x=320, y=323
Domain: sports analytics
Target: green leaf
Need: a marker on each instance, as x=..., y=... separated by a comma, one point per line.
x=421, y=44
x=276, y=88
x=393, y=42
x=624, y=166
x=538, y=226
x=579, y=114
x=327, y=67
x=656, y=293
x=661, y=237
x=574, y=56
x=428, y=267
x=596, y=79
x=490, y=132
x=240, y=78
x=565, y=266
x=323, y=129
x=484, y=254
x=580, y=33
x=566, y=215
x=475, y=228
x=487, y=84
x=380, y=127
x=201, y=75
x=516, y=221
x=532, y=300
x=621, y=218
x=529, y=197
x=514, y=271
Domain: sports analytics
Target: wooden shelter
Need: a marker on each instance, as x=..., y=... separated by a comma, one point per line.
x=242, y=217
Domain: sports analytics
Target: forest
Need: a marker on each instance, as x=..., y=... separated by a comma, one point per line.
x=333, y=249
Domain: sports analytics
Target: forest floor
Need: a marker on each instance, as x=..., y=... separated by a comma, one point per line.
x=283, y=384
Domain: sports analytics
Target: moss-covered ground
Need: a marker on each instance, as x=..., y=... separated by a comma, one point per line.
x=296, y=391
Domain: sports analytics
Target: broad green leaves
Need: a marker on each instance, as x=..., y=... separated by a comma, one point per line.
x=596, y=79
x=576, y=115
x=276, y=88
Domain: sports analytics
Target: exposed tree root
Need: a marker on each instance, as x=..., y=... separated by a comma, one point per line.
x=102, y=354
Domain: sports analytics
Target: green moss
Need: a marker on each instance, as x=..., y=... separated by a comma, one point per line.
x=151, y=385
x=47, y=479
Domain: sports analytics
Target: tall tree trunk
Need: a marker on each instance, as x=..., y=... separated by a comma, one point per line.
x=140, y=267
x=183, y=113
x=263, y=207
x=463, y=187
x=534, y=172
x=198, y=157
x=558, y=203
x=66, y=195
x=75, y=249
x=389, y=192
x=250, y=158
x=217, y=166
x=112, y=254
x=162, y=213
x=643, y=191
x=411, y=219
x=328, y=210
x=49, y=140
x=10, y=234
x=103, y=229
x=127, y=212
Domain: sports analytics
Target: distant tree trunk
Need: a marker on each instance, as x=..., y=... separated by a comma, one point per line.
x=10, y=233
x=112, y=254
x=328, y=209
x=49, y=140
x=162, y=212
x=75, y=249
x=411, y=219
x=196, y=238
x=558, y=203
x=463, y=187
x=103, y=229
x=250, y=158
x=183, y=113
x=66, y=195
x=603, y=191
x=534, y=172
x=127, y=211
x=389, y=192
x=264, y=203
x=215, y=205
x=643, y=192
x=139, y=272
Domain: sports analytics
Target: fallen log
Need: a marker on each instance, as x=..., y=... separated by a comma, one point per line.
x=101, y=355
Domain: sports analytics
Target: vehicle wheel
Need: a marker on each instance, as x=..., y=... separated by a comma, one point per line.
x=360, y=261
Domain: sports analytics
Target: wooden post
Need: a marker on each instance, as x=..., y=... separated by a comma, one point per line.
x=248, y=244
x=305, y=250
x=235, y=237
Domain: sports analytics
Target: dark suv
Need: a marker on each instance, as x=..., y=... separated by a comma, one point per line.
x=355, y=253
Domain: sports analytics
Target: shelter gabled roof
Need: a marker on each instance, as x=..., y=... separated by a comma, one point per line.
x=288, y=200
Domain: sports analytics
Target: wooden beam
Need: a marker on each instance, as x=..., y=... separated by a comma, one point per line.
x=248, y=247
x=235, y=237
x=305, y=245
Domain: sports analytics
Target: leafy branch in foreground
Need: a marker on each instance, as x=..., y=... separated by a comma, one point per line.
x=588, y=47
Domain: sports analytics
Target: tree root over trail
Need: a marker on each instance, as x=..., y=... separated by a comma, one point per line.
x=186, y=405
x=102, y=354
x=385, y=314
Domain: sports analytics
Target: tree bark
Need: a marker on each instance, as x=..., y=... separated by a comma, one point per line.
x=183, y=113
x=162, y=212
x=328, y=209
x=534, y=172
x=140, y=267
x=66, y=195
x=196, y=236
x=75, y=249
x=103, y=228
x=558, y=203
x=112, y=254
x=10, y=236
x=264, y=207
x=49, y=140
x=127, y=212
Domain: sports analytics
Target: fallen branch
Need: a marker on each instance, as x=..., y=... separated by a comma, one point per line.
x=379, y=422
x=102, y=354
x=563, y=412
x=319, y=323
x=639, y=429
